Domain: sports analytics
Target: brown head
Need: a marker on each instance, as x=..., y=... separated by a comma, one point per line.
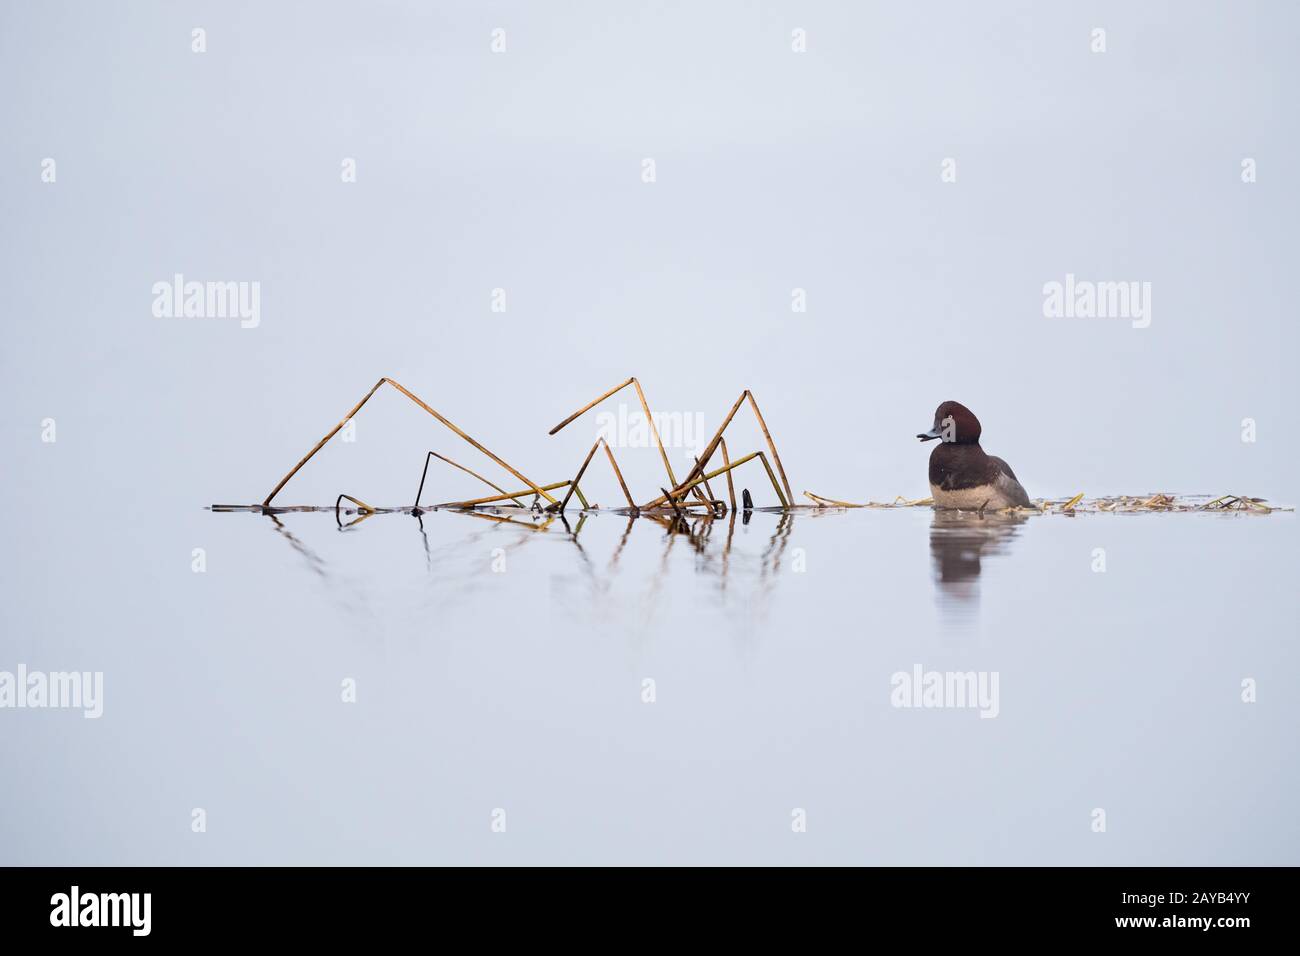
x=954, y=422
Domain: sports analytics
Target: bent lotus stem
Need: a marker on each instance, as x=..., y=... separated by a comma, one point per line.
x=581, y=471
x=654, y=431
x=821, y=502
x=785, y=502
x=645, y=409
x=434, y=454
x=361, y=505
x=589, y=406
x=671, y=497
x=771, y=445
x=731, y=488
x=573, y=486
x=415, y=398
x=677, y=511
x=703, y=460
x=707, y=491
x=618, y=474
x=502, y=497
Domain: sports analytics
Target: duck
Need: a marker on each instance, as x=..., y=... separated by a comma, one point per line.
x=962, y=475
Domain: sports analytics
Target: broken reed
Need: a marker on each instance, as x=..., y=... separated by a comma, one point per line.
x=680, y=490
x=697, y=475
x=433, y=454
x=420, y=402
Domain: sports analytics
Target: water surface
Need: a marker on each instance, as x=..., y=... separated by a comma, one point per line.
x=771, y=645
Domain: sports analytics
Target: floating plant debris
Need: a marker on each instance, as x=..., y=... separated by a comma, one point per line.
x=678, y=498
x=1117, y=504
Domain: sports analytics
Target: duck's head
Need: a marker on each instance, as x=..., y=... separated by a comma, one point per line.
x=954, y=422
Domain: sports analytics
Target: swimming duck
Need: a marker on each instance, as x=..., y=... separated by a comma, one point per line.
x=961, y=474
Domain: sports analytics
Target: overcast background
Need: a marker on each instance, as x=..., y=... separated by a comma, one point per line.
x=775, y=171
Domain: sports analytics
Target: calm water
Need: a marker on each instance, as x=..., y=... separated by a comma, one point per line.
x=771, y=646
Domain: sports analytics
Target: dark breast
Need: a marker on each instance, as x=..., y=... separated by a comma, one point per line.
x=954, y=466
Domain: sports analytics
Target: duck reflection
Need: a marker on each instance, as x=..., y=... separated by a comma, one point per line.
x=959, y=543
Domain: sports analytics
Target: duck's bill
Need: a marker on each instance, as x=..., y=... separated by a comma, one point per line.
x=931, y=435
